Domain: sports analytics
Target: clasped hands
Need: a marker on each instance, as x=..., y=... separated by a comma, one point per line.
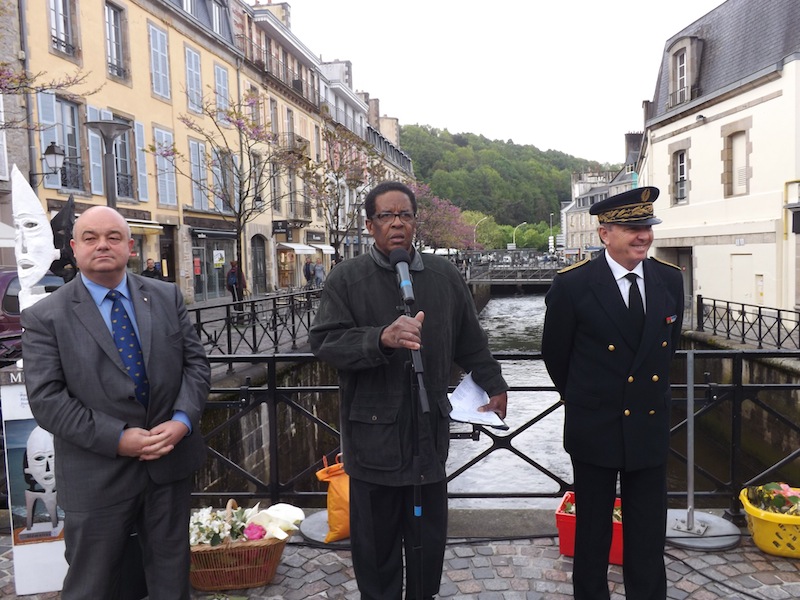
x=406, y=332
x=150, y=444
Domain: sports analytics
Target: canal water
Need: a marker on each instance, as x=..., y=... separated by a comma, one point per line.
x=514, y=324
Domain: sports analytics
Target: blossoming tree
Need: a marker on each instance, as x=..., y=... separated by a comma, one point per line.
x=235, y=161
x=440, y=222
x=341, y=179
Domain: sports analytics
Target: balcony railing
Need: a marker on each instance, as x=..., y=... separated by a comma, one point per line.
x=72, y=174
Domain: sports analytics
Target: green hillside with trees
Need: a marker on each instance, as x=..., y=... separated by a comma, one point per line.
x=507, y=182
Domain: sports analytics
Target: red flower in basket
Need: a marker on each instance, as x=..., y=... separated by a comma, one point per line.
x=254, y=532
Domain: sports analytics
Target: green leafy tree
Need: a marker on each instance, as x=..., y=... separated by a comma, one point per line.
x=512, y=182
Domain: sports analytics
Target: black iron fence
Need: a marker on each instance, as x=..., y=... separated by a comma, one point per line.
x=264, y=324
x=267, y=441
x=748, y=323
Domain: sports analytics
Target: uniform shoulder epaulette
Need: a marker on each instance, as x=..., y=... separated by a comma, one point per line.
x=575, y=266
x=663, y=262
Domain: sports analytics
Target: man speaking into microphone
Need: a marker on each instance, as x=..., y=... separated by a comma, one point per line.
x=362, y=329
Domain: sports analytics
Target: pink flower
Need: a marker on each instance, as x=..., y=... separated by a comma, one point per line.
x=254, y=532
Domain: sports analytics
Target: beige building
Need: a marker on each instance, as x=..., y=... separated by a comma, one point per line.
x=171, y=85
x=722, y=144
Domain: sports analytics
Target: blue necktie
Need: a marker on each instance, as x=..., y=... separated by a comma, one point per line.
x=128, y=345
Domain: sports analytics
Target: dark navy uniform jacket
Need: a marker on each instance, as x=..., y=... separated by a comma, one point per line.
x=615, y=388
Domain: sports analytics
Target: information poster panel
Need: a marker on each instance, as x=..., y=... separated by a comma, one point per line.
x=37, y=523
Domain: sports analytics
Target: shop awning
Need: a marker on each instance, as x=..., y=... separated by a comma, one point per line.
x=298, y=248
x=326, y=249
x=144, y=227
x=214, y=233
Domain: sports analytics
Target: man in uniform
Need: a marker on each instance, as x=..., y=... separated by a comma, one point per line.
x=611, y=329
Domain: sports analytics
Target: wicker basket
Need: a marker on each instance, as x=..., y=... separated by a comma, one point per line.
x=235, y=565
x=773, y=533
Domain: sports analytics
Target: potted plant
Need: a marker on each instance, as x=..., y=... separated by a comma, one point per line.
x=565, y=522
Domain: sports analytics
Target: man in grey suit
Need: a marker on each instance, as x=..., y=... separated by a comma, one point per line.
x=124, y=460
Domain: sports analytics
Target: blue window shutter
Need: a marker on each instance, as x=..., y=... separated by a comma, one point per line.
x=141, y=162
x=95, y=154
x=48, y=118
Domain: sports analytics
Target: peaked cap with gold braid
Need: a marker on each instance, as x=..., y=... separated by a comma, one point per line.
x=634, y=207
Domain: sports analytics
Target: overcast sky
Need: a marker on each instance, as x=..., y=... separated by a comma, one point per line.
x=567, y=75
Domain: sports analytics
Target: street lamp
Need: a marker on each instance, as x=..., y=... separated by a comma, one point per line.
x=475, y=231
x=514, y=235
x=53, y=160
x=109, y=131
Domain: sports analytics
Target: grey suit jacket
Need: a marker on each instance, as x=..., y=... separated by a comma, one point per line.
x=79, y=391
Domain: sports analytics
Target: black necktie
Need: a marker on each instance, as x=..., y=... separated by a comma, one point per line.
x=128, y=345
x=635, y=305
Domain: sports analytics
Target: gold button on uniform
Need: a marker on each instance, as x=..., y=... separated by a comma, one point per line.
x=652, y=412
x=630, y=379
x=655, y=377
x=627, y=413
x=664, y=344
x=611, y=347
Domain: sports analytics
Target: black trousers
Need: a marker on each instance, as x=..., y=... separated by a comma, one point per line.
x=237, y=295
x=644, y=523
x=382, y=531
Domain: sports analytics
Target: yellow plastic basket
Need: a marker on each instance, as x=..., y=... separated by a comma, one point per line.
x=773, y=533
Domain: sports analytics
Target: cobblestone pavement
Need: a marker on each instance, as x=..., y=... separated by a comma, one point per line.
x=519, y=569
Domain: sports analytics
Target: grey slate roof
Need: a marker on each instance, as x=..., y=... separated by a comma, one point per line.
x=740, y=38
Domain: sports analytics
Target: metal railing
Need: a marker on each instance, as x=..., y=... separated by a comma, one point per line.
x=747, y=456
x=509, y=273
x=749, y=324
x=265, y=324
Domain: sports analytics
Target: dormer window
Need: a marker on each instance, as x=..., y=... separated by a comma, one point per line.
x=684, y=71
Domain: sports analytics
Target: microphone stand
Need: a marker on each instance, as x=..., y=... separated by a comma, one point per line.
x=418, y=390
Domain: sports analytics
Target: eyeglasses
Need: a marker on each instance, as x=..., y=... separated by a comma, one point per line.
x=386, y=218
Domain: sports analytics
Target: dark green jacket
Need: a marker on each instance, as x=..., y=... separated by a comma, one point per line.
x=362, y=297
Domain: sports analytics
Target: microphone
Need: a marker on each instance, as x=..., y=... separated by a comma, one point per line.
x=400, y=260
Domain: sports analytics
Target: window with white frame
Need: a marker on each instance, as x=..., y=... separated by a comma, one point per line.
x=4, y=174
x=194, y=82
x=159, y=61
x=221, y=90
x=736, y=156
x=273, y=116
x=738, y=144
x=165, y=167
x=61, y=26
x=188, y=6
x=253, y=104
x=275, y=187
x=217, y=16
x=685, y=57
x=680, y=177
x=123, y=162
x=199, y=174
x=115, y=47
x=224, y=181
x=59, y=121
x=680, y=77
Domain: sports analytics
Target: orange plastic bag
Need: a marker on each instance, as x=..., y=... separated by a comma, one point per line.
x=338, y=499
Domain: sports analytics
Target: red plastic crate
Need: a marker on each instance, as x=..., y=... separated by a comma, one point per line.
x=565, y=523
